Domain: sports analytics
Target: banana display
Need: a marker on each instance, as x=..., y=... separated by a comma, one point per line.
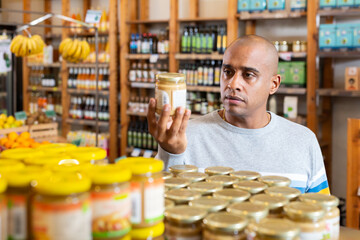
x=74, y=50
x=23, y=46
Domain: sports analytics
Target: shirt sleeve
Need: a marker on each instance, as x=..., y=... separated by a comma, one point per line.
x=318, y=182
x=170, y=159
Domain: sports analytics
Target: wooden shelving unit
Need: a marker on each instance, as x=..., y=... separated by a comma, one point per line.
x=198, y=19
x=337, y=93
x=88, y=65
x=53, y=65
x=142, y=85
x=86, y=122
x=194, y=56
x=146, y=56
x=87, y=92
x=44, y=89
x=270, y=15
x=148, y=21
x=350, y=12
x=339, y=54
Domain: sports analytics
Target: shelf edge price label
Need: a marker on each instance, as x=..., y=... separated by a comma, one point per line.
x=21, y=116
x=50, y=113
x=93, y=16
x=154, y=58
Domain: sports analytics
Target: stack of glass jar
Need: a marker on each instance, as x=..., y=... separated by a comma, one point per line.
x=226, y=204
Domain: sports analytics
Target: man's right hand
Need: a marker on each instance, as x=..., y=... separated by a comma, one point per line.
x=169, y=132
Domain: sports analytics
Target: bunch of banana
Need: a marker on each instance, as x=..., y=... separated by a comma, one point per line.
x=23, y=46
x=74, y=50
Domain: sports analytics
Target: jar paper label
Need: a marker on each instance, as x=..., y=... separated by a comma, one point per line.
x=135, y=203
x=179, y=99
x=169, y=237
x=312, y=236
x=333, y=227
x=17, y=217
x=154, y=201
x=162, y=98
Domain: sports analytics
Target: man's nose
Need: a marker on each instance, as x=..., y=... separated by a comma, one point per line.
x=237, y=82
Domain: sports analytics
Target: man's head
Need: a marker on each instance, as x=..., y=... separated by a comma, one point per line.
x=249, y=75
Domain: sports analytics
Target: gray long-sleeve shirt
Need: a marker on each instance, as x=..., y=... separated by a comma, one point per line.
x=280, y=148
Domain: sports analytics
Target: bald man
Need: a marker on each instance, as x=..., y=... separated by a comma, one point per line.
x=243, y=135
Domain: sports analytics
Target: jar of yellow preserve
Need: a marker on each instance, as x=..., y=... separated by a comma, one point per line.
x=19, y=196
x=332, y=213
x=309, y=218
x=61, y=207
x=3, y=209
x=150, y=233
x=93, y=155
x=110, y=200
x=147, y=190
x=170, y=89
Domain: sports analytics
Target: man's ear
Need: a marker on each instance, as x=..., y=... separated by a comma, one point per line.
x=275, y=83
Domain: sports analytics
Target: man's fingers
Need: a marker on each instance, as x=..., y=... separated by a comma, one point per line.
x=184, y=123
x=151, y=116
x=163, y=120
x=176, y=122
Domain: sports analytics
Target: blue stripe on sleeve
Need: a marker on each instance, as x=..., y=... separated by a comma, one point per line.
x=319, y=187
x=301, y=189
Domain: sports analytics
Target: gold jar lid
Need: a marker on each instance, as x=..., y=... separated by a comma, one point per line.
x=182, y=195
x=210, y=204
x=175, y=183
x=326, y=201
x=205, y=187
x=275, y=42
x=166, y=175
x=171, y=77
x=275, y=181
x=249, y=210
x=245, y=175
x=303, y=42
x=225, y=180
x=288, y=192
x=272, y=202
x=272, y=227
x=185, y=214
x=193, y=176
x=169, y=204
x=296, y=42
x=232, y=195
x=218, y=170
x=227, y=222
x=304, y=211
x=252, y=187
x=283, y=42
x=176, y=169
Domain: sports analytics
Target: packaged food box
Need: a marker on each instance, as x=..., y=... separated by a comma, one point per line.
x=284, y=70
x=344, y=36
x=297, y=74
x=257, y=5
x=356, y=40
x=327, y=36
x=290, y=106
x=243, y=5
x=345, y=3
x=298, y=5
x=357, y=3
x=352, y=78
x=327, y=3
x=276, y=5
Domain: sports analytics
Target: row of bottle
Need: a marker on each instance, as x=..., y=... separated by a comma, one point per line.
x=138, y=136
x=203, y=103
x=103, y=49
x=45, y=102
x=88, y=139
x=138, y=104
x=85, y=78
x=202, y=73
x=150, y=43
x=43, y=77
x=85, y=108
x=197, y=39
x=102, y=25
x=142, y=71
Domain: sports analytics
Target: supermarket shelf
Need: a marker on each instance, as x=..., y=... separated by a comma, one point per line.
x=337, y=93
x=52, y=65
x=194, y=56
x=203, y=88
x=87, y=65
x=51, y=36
x=146, y=56
x=153, y=21
x=270, y=15
x=3, y=94
x=130, y=150
x=339, y=12
x=291, y=91
x=202, y=20
x=87, y=122
x=139, y=114
x=90, y=92
x=88, y=34
x=142, y=85
x=44, y=89
x=339, y=54
x=287, y=56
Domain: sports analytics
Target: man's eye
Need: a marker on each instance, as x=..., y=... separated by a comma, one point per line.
x=227, y=72
x=249, y=75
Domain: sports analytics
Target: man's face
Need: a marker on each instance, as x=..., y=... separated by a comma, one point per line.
x=245, y=79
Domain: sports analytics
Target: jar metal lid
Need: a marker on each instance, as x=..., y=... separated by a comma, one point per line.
x=222, y=179
x=248, y=209
x=252, y=187
x=297, y=42
x=175, y=183
x=205, y=187
x=288, y=192
x=326, y=201
x=283, y=42
x=272, y=227
x=272, y=202
x=227, y=222
x=182, y=195
x=185, y=214
x=176, y=169
x=171, y=77
x=169, y=204
x=245, y=175
x=304, y=211
x=210, y=204
x=275, y=181
x=193, y=176
x=232, y=195
x=218, y=170
x=166, y=175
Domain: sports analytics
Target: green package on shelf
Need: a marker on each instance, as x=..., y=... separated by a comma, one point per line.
x=356, y=40
x=243, y=5
x=257, y=5
x=283, y=70
x=298, y=5
x=345, y=3
x=327, y=36
x=297, y=74
x=344, y=36
x=327, y=3
x=276, y=5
